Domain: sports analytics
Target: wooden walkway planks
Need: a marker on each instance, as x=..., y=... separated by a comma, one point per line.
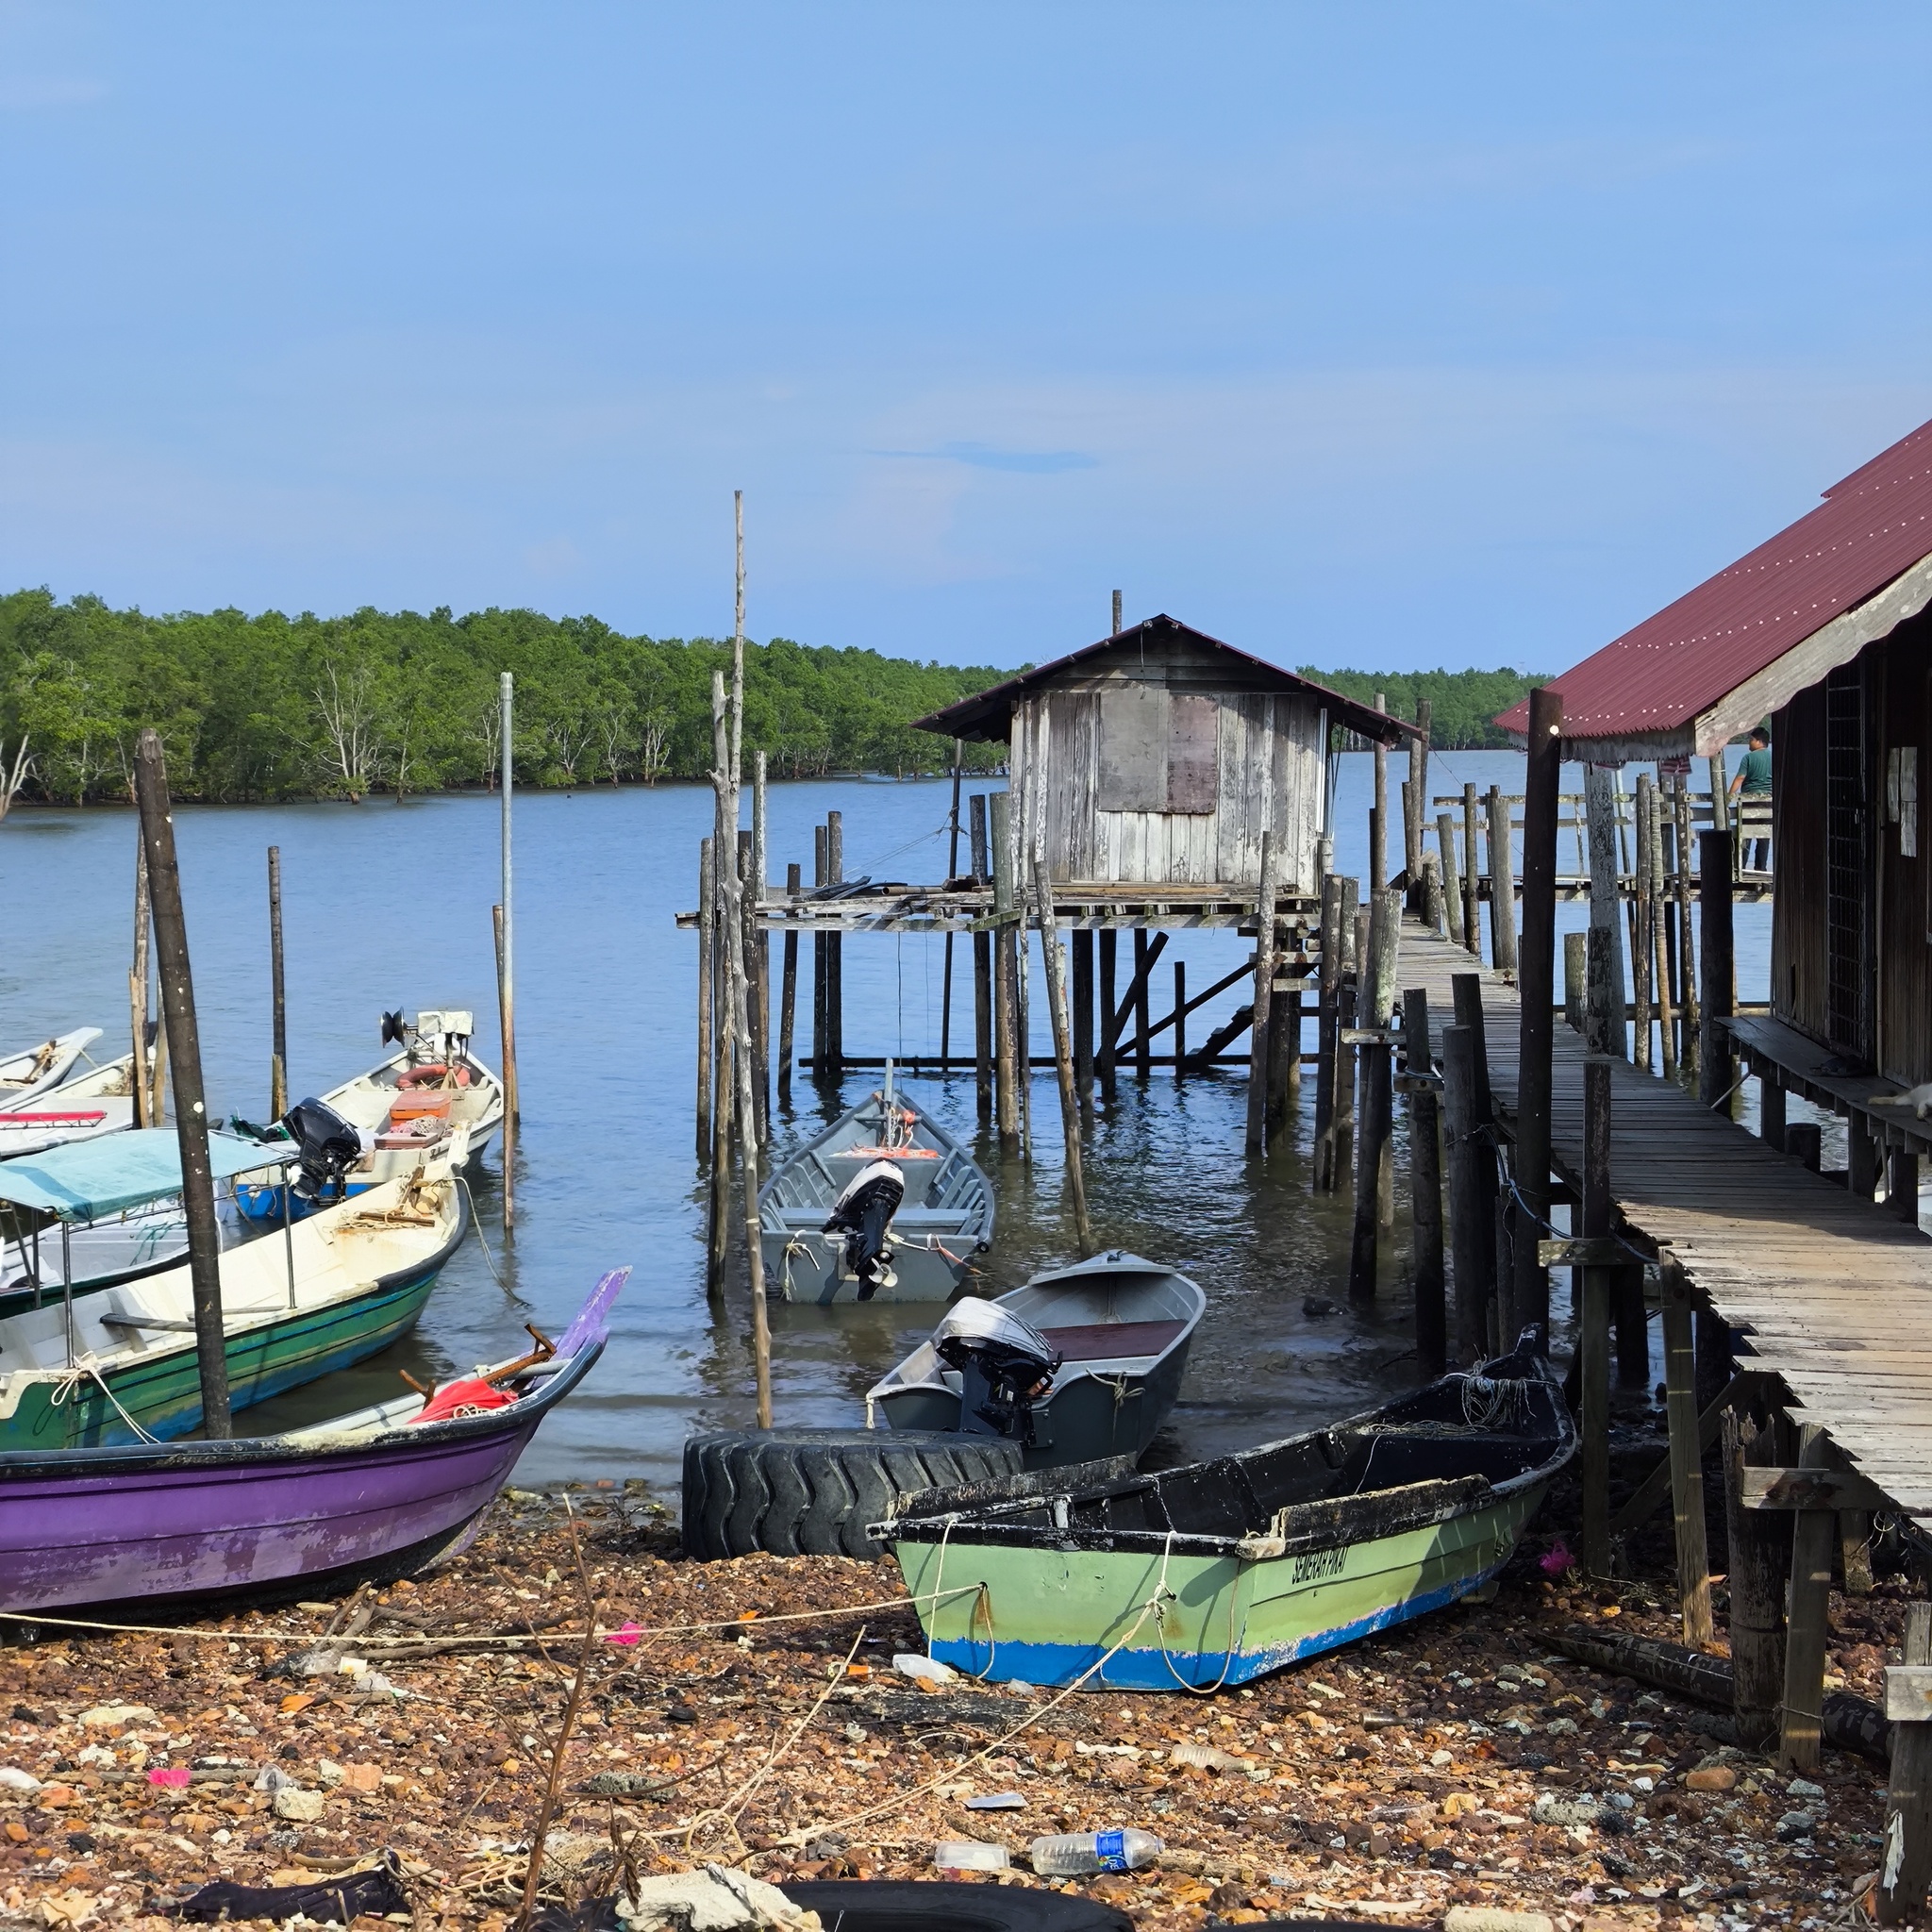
x=1832, y=1290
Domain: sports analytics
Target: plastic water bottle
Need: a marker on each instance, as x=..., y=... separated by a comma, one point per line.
x=1063, y=1854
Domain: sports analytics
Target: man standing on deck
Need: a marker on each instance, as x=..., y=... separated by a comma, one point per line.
x=1753, y=784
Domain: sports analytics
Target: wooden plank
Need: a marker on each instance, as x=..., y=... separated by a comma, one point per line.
x=1810, y=1488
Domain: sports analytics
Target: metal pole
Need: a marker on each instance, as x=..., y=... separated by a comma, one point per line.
x=190, y=1107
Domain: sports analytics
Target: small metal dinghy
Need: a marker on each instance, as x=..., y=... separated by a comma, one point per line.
x=1223, y=1571
x=833, y=1228
x=1082, y=1362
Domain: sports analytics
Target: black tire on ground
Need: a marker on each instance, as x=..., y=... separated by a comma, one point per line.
x=882, y=1904
x=811, y=1492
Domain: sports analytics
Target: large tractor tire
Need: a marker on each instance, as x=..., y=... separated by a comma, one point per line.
x=811, y=1492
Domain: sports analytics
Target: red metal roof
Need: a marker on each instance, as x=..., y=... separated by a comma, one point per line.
x=1872, y=527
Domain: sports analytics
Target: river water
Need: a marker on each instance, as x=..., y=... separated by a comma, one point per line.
x=387, y=906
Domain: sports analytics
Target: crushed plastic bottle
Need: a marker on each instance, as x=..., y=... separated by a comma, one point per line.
x=968, y=1855
x=1062, y=1854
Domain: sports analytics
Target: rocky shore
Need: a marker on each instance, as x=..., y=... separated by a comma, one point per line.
x=751, y=1713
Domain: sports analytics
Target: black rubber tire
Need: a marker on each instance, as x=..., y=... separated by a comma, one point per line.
x=888, y=1905
x=811, y=1492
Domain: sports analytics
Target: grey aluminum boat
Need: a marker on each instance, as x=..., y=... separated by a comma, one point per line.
x=922, y=1254
x=1082, y=1362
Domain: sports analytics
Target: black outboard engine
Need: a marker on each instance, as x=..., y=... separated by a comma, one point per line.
x=863, y=1214
x=1005, y=1365
x=330, y=1147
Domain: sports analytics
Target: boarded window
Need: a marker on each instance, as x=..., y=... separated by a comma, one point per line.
x=1133, y=748
x=1193, y=769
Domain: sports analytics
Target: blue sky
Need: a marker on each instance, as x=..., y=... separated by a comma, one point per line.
x=1374, y=335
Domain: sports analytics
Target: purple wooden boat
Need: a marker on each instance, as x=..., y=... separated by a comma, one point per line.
x=366, y=1495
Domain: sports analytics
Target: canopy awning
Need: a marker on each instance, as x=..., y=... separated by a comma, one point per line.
x=86, y=1179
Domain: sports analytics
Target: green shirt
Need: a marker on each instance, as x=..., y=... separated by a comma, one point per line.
x=1755, y=773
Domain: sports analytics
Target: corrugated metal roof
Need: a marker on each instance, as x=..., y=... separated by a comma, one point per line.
x=1872, y=527
x=989, y=714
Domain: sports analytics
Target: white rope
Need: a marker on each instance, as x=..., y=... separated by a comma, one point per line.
x=77, y=1374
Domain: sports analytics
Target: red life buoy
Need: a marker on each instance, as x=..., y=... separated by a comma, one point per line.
x=431, y=1075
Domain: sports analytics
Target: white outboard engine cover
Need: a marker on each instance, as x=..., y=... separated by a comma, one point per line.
x=1005, y=1365
x=863, y=1214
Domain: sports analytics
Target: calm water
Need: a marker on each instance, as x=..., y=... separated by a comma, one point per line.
x=387, y=906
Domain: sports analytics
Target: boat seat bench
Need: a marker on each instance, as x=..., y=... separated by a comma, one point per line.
x=1100, y=1340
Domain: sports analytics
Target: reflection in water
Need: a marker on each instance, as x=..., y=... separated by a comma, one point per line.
x=389, y=906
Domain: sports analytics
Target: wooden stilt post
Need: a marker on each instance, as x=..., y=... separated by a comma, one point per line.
x=707, y=946
x=1374, y=1103
x=1284, y=1057
x=1714, y=1064
x=982, y=966
x=1378, y=819
x=1354, y=950
x=1434, y=904
x=1006, y=902
x=724, y=1071
x=1575, y=978
x=1264, y=988
x=1861, y=1149
x=1801, y=1738
x=1771, y=1112
x=505, y=964
x=1600, y=807
x=1424, y=1189
x=1472, y=877
x=1452, y=886
x=1328, y=996
x=1640, y=907
x=821, y=962
x=1759, y=1559
x=1854, y=1550
x=758, y=955
x=1686, y=946
x=137, y=985
x=1062, y=1052
x=1502, y=885
x=952, y=872
x=1905, y=1858
x=1902, y=1184
x=1144, y=1063
x=1536, y=982
x=1083, y=1018
x=1468, y=1205
x=1467, y=992
x=279, y=1054
x=1415, y=802
x=1687, y=1464
x=1602, y=1030
x=757, y=1048
x=1594, y=1339
x=1104, y=1059
x=1180, y=1018
x=1658, y=942
x=787, y=993
x=190, y=1107
x=835, y=966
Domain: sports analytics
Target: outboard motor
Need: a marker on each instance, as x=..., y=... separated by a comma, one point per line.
x=330, y=1147
x=1005, y=1365
x=863, y=1214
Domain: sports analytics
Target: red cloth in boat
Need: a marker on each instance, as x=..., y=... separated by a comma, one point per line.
x=470, y=1395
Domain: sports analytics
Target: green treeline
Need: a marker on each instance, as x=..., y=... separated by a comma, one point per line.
x=1461, y=702
x=274, y=707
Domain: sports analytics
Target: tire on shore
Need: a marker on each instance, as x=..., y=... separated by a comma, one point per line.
x=811, y=1492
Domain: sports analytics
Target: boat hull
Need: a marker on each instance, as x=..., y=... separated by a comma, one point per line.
x=1230, y=1619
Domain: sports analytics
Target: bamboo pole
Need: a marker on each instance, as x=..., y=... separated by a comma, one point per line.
x=507, y=984
x=787, y=993
x=137, y=985
x=1424, y=1189
x=278, y=1057
x=1264, y=984
x=1062, y=1052
x=190, y=1108
x=708, y=891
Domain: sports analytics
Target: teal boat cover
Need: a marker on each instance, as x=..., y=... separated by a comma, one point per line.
x=86, y=1179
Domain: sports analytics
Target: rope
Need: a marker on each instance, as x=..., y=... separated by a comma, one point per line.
x=77, y=1373
x=476, y=1228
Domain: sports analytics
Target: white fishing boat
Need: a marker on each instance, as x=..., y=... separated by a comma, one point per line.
x=42, y=1068
x=434, y=1097
x=90, y=1102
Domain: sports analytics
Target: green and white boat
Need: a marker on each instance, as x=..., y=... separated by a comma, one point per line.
x=1221, y=1572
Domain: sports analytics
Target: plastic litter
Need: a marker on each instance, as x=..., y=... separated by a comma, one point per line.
x=174, y=1776
x=923, y=1669
x=1064, y=1853
x=376, y=1890
x=997, y=1801
x=1208, y=1756
x=970, y=1854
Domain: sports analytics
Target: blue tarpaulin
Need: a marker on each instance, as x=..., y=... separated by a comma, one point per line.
x=88, y=1179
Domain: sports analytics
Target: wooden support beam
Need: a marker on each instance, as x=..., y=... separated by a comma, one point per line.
x=1503, y=886
x=1472, y=877
x=1772, y=1488
x=1007, y=1046
x=1425, y=1192
x=1178, y=1018
x=1062, y=1052
x=1761, y=1553
x=1469, y=1202
x=1596, y=1312
x=1135, y=999
x=1327, y=1034
x=1657, y=1485
x=1103, y=1059
x=1374, y=1099
x=983, y=1048
x=1902, y=1183
x=1136, y=994
x=1083, y=1018
x=1535, y=1073
x=1689, y=1011
x=1451, y=875
x=1715, y=1074
x=821, y=958
x=1284, y=1056
x=1264, y=994
x=706, y=949
x=1687, y=1464
x=1574, y=978
x=787, y=993
x=1801, y=1740
x=1905, y=1858
x=835, y=967
x=1771, y=1112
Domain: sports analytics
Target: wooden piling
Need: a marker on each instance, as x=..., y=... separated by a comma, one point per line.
x=1104, y=1057
x=1451, y=877
x=1759, y=1557
x=707, y=946
x=1374, y=1097
x=506, y=962
x=1354, y=950
x=1180, y=1019
x=1575, y=954
x=1415, y=815
x=820, y=960
x=1687, y=1463
x=1468, y=1205
x=757, y=1048
x=1714, y=1068
x=1771, y=1112
x=1062, y=1052
x=1327, y=994
x=1535, y=980
x=1472, y=877
x=724, y=1071
x=1602, y=1029
x=1594, y=1339
x=1805, y=1140
x=1606, y=900
x=952, y=872
x=190, y=1104
x=1905, y=1858
x=1424, y=1189
x=1143, y=1052
x=1641, y=920
x=1284, y=1057
x=835, y=964
x=1466, y=989
x=982, y=967
x=1082, y=948
x=1434, y=904
x=1006, y=907
x=1861, y=1157
x=278, y=1048
x=758, y=953
x=136, y=984
x=1503, y=884
x=1902, y=1184
x=1378, y=817
x=1263, y=993
x=1801, y=1738
x=787, y=993
x=1688, y=1015
x=1658, y=942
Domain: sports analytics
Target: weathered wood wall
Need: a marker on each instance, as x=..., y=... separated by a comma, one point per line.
x=1137, y=772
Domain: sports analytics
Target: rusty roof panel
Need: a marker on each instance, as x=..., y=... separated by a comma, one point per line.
x=1872, y=527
